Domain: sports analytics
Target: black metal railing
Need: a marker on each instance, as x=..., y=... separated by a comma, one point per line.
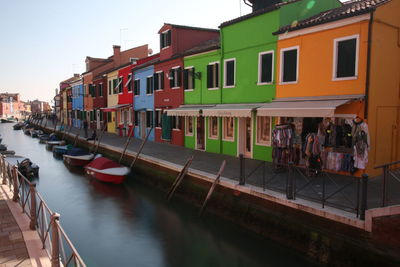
x=390, y=185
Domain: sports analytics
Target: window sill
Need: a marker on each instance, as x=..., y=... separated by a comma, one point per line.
x=345, y=78
x=175, y=88
x=189, y=90
x=285, y=83
x=159, y=90
x=266, y=83
x=213, y=89
x=176, y=130
x=228, y=140
x=165, y=47
x=149, y=94
x=213, y=137
x=262, y=144
x=186, y=134
x=229, y=86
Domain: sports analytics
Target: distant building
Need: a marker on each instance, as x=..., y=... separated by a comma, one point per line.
x=11, y=105
x=38, y=106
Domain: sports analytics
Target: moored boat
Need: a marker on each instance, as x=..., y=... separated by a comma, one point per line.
x=61, y=150
x=106, y=170
x=7, y=120
x=18, y=126
x=77, y=157
x=25, y=166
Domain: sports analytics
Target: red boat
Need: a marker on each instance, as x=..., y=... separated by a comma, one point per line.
x=77, y=157
x=106, y=170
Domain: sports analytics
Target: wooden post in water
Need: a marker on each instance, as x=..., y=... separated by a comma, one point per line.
x=32, y=190
x=15, y=183
x=98, y=142
x=76, y=139
x=141, y=148
x=3, y=169
x=180, y=177
x=55, y=126
x=216, y=181
x=55, y=246
x=45, y=123
x=126, y=144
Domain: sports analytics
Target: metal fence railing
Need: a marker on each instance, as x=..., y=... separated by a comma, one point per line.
x=390, y=184
x=42, y=219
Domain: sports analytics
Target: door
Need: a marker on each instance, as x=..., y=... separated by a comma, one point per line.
x=143, y=124
x=125, y=122
x=98, y=119
x=245, y=140
x=200, y=133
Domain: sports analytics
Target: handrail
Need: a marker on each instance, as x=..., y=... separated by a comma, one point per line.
x=387, y=164
x=52, y=235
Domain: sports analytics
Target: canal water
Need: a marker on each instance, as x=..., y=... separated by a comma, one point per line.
x=133, y=225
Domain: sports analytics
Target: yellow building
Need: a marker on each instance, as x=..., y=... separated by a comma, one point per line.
x=112, y=101
x=344, y=64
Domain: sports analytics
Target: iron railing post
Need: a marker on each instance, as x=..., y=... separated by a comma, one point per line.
x=32, y=189
x=55, y=246
x=289, y=182
x=385, y=174
x=364, y=188
x=263, y=174
x=15, y=183
x=323, y=190
x=242, y=170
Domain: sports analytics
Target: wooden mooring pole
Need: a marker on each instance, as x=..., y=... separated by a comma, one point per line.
x=141, y=148
x=180, y=177
x=130, y=134
x=98, y=142
x=216, y=181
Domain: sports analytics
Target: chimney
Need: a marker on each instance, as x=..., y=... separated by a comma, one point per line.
x=117, y=55
x=260, y=4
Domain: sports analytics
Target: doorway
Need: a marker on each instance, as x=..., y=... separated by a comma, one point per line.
x=98, y=119
x=200, y=133
x=143, y=124
x=245, y=140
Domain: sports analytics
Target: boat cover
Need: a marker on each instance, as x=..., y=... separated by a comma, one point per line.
x=103, y=163
x=53, y=138
x=76, y=151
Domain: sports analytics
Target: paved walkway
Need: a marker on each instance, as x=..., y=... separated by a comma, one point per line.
x=13, y=251
x=340, y=191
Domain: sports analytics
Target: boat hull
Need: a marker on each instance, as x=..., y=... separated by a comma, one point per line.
x=104, y=177
x=75, y=161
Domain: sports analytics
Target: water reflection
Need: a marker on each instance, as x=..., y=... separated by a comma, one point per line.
x=133, y=225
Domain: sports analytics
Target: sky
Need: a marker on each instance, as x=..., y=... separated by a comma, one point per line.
x=43, y=42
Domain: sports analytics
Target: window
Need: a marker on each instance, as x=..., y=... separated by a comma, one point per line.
x=120, y=84
x=159, y=81
x=176, y=122
x=175, y=77
x=109, y=87
x=129, y=83
x=100, y=89
x=289, y=64
x=136, y=118
x=149, y=119
x=92, y=90
x=149, y=85
x=115, y=83
x=213, y=75
x=189, y=126
x=165, y=39
x=264, y=130
x=158, y=118
x=136, y=87
x=265, y=67
x=101, y=115
x=188, y=78
x=213, y=127
x=228, y=128
x=345, y=57
x=229, y=72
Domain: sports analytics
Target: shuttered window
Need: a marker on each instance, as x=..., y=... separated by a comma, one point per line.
x=265, y=67
x=346, y=57
x=149, y=85
x=213, y=76
x=229, y=73
x=149, y=119
x=165, y=39
x=136, y=87
x=289, y=65
x=175, y=80
x=159, y=81
x=188, y=79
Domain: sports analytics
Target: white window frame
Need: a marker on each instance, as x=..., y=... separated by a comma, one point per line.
x=151, y=76
x=282, y=51
x=158, y=73
x=270, y=132
x=224, y=138
x=260, y=66
x=335, y=54
x=134, y=87
x=219, y=75
x=120, y=83
x=234, y=73
x=183, y=86
x=165, y=47
x=157, y=111
x=210, y=136
x=176, y=77
x=187, y=126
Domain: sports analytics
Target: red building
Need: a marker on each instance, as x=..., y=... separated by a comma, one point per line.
x=99, y=100
x=168, y=86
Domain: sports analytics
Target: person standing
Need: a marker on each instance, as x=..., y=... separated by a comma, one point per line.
x=85, y=127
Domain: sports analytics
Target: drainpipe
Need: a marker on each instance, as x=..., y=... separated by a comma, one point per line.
x=221, y=41
x=367, y=81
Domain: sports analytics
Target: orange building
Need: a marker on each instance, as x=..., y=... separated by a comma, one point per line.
x=343, y=64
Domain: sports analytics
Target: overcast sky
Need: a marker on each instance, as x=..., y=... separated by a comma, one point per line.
x=45, y=41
